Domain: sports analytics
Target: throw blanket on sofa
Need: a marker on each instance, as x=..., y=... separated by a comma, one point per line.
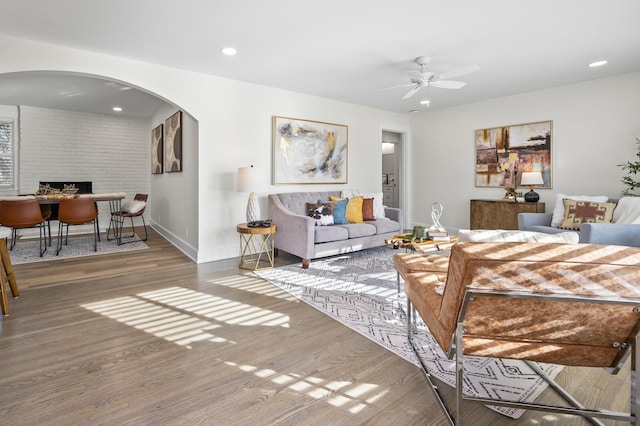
x=627, y=210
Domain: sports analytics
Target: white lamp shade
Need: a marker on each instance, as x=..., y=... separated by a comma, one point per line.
x=251, y=179
x=532, y=178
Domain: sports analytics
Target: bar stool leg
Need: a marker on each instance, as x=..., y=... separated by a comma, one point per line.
x=4, y=300
x=6, y=275
x=8, y=268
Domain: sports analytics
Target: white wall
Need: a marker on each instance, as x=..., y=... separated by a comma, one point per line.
x=178, y=223
x=595, y=124
x=62, y=145
x=234, y=130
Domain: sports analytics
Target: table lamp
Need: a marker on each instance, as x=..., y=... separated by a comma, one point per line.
x=251, y=179
x=531, y=178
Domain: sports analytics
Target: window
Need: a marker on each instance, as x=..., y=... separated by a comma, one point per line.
x=7, y=175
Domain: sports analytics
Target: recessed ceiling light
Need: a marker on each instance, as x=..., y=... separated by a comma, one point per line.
x=117, y=109
x=229, y=51
x=597, y=64
x=413, y=111
x=425, y=102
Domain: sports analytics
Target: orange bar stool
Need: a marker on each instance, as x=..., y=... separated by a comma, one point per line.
x=6, y=274
x=23, y=213
x=77, y=211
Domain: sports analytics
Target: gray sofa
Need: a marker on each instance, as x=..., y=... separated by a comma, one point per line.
x=297, y=233
x=620, y=234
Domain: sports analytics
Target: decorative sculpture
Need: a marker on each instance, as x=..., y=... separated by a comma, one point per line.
x=436, y=212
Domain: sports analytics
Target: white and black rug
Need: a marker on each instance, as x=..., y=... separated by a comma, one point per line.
x=360, y=291
x=28, y=250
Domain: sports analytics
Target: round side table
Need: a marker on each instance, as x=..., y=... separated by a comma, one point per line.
x=256, y=246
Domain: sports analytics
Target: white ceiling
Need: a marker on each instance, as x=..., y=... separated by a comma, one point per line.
x=337, y=49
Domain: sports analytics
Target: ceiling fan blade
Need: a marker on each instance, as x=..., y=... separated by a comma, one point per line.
x=459, y=71
x=412, y=92
x=447, y=84
x=395, y=87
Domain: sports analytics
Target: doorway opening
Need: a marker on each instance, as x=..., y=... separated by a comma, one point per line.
x=392, y=176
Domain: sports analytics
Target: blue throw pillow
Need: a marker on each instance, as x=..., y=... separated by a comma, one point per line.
x=339, y=211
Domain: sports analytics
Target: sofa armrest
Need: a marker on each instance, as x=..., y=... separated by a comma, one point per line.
x=295, y=233
x=618, y=234
x=526, y=220
x=394, y=214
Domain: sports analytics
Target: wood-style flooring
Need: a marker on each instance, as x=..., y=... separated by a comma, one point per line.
x=150, y=338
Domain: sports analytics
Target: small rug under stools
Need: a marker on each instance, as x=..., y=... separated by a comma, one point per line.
x=27, y=250
x=360, y=291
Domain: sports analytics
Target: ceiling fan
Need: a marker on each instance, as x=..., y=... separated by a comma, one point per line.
x=427, y=78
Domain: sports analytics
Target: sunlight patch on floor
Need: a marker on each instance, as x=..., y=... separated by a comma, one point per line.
x=184, y=316
x=350, y=395
x=253, y=284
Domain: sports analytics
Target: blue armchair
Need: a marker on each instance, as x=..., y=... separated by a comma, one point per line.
x=619, y=234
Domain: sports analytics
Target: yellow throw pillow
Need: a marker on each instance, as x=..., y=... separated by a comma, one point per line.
x=354, y=208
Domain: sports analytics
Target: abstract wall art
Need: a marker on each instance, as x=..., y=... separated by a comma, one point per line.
x=156, y=150
x=173, y=143
x=504, y=153
x=309, y=152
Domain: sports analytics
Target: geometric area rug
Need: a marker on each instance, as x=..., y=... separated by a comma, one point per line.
x=27, y=250
x=359, y=290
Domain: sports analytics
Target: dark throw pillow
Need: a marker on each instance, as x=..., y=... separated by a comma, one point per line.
x=322, y=213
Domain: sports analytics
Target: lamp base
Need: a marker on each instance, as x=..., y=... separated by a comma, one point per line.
x=531, y=197
x=253, y=208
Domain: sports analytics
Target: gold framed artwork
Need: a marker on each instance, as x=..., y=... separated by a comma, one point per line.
x=173, y=143
x=309, y=152
x=156, y=150
x=504, y=153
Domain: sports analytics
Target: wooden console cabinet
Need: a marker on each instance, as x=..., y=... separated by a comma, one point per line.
x=500, y=214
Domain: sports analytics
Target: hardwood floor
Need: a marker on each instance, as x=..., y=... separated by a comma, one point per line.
x=149, y=337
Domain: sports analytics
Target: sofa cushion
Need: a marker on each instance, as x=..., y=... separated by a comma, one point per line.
x=325, y=234
x=578, y=212
x=367, y=209
x=385, y=226
x=322, y=213
x=357, y=230
x=558, y=209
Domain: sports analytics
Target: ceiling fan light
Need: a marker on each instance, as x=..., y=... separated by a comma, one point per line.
x=597, y=64
x=229, y=51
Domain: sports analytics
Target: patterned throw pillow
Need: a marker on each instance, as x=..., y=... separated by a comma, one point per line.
x=322, y=213
x=578, y=212
x=367, y=209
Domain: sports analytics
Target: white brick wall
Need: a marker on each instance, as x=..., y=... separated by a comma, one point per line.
x=111, y=151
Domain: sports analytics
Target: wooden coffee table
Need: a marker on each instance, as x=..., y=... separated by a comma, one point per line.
x=404, y=241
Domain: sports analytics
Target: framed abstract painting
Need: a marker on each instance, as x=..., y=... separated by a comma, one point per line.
x=504, y=153
x=157, y=159
x=173, y=143
x=309, y=152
